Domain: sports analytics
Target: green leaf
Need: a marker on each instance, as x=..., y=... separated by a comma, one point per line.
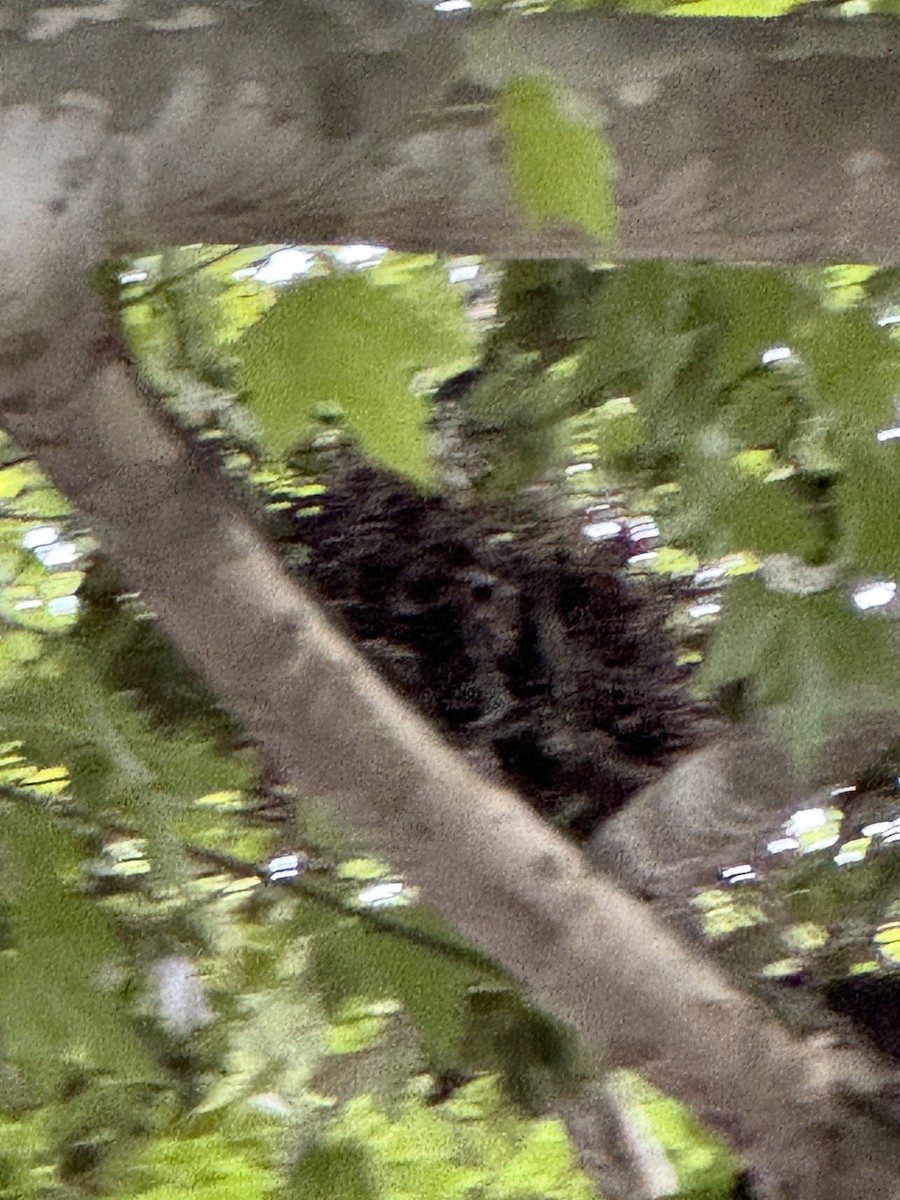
x=533, y=1056
x=561, y=170
x=856, y=367
x=868, y=497
x=747, y=632
x=346, y=343
x=811, y=655
x=883, y=285
x=706, y=1168
x=356, y=960
x=334, y=1170
x=650, y=342
x=846, y=284
x=50, y=1004
x=728, y=510
x=513, y=419
x=544, y=306
x=13, y=479
x=733, y=8
x=764, y=409
x=210, y=1167
x=619, y=430
x=544, y=1166
x=353, y=1033
x=754, y=308
x=62, y=711
x=419, y=1136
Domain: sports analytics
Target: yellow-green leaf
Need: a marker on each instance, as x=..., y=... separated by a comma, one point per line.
x=560, y=169
x=342, y=343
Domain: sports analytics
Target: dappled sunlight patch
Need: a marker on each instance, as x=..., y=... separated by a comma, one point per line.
x=123, y=857
x=358, y=1025
x=886, y=939
x=804, y=936
x=853, y=851
x=815, y=828
x=783, y=968
x=700, y=1159
x=383, y=894
x=723, y=911
x=362, y=868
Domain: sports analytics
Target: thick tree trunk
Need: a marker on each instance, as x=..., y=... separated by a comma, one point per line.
x=589, y=953
x=739, y=141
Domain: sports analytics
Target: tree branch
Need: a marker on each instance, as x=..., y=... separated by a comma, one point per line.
x=735, y=140
x=718, y=804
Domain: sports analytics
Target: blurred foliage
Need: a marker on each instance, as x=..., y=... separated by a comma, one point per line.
x=171, y=1017
x=473, y=1145
x=752, y=411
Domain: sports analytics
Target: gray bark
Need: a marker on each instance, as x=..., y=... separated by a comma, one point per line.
x=723, y=803
x=740, y=141
x=622, y=1158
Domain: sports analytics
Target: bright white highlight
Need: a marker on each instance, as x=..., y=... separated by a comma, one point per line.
x=63, y=606
x=282, y=266
x=875, y=595
x=460, y=274
x=284, y=866
x=807, y=819
x=708, y=574
x=598, y=530
x=270, y=1103
x=643, y=529
x=43, y=535
x=709, y=609
x=782, y=845
x=741, y=873
x=182, y=1003
x=380, y=893
x=877, y=828
x=359, y=253
x=59, y=554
